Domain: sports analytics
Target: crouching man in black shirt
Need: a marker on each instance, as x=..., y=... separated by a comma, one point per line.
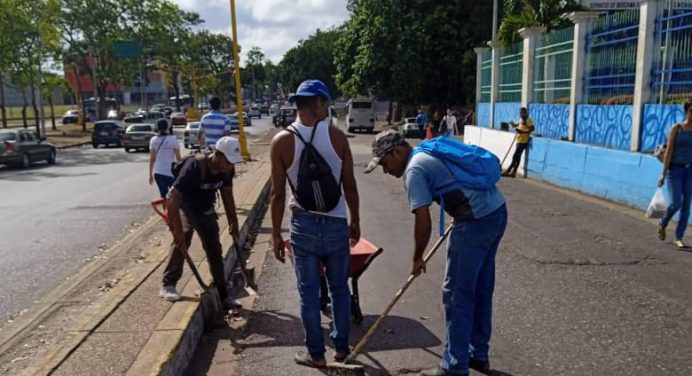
x=191, y=203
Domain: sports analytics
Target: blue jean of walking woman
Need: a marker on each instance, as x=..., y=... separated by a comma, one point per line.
x=321, y=240
x=467, y=292
x=679, y=182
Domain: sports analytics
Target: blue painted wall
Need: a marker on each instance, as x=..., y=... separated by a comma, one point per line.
x=608, y=125
x=483, y=114
x=504, y=112
x=621, y=176
x=658, y=119
x=551, y=120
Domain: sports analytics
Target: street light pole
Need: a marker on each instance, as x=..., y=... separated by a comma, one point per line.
x=495, y=15
x=238, y=98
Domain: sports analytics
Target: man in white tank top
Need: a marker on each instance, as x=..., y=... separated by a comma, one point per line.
x=317, y=238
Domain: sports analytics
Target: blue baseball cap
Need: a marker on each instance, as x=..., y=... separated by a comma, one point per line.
x=311, y=88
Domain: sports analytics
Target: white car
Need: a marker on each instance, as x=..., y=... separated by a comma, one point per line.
x=410, y=128
x=190, y=134
x=71, y=116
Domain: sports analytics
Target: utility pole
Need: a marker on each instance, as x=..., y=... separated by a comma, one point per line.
x=238, y=97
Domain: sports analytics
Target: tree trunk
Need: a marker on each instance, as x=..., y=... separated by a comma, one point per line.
x=24, y=103
x=52, y=112
x=176, y=88
x=2, y=103
x=33, y=104
x=80, y=97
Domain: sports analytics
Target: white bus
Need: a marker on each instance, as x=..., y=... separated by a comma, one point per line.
x=361, y=115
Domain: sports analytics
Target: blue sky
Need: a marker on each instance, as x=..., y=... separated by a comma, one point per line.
x=273, y=25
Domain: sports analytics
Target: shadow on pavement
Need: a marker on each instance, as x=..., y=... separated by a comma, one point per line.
x=270, y=329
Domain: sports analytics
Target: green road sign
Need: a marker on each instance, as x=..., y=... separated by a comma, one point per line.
x=125, y=49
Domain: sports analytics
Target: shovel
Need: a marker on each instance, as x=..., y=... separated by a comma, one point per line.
x=247, y=275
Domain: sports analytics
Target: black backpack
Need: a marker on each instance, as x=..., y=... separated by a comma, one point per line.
x=316, y=189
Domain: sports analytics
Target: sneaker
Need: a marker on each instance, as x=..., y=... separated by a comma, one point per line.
x=661, y=232
x=169, y=293
x=679, y=244
x=229, y=303
x=482, y=366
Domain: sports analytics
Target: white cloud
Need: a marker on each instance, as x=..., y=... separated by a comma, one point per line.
x=273, y=25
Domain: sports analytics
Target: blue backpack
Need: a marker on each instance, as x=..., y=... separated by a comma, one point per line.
x=474, y=167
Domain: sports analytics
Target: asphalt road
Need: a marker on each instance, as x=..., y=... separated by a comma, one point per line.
x=57, y=218
x=583, y=288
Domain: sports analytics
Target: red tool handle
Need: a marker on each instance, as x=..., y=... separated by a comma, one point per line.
x=160, y=208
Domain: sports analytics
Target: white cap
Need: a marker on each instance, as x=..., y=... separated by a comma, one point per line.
x=230, y=147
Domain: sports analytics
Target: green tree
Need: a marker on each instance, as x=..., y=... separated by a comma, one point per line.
x=49, y=83
x=551, y=14
x=413, y=51
x=255, y=74
x=311, y=58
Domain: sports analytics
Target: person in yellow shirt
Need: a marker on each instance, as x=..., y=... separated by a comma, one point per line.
x=523, y=128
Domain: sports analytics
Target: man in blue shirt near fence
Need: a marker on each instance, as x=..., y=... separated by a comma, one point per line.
x=213, y=125
x=480, y=218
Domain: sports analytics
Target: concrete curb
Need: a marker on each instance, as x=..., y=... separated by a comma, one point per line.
x=70, y=146
x=170, y=348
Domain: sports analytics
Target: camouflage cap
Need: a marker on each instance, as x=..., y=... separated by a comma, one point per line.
x=383, y=143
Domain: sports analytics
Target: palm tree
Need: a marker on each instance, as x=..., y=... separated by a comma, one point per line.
x=551, y=14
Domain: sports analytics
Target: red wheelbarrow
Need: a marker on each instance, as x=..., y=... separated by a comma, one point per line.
x=362, y=255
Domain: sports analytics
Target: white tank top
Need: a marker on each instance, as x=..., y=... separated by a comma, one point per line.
x=323, y=143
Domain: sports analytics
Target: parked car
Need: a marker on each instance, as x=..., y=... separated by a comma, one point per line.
x=134, y=118
x=178, y=119
x=23, y=147
x=190, y=134
x=264, y=109
x=410, y=127
x=70, y=117
x=247, y=122
x=255, y=112
x=287, y=115
x=137, y=136
x=234, y=122
x=107, y=132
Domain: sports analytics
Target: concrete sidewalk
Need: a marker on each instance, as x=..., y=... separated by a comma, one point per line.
x=109, y=320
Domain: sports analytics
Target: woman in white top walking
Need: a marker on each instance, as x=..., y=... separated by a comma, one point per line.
x=163, y=151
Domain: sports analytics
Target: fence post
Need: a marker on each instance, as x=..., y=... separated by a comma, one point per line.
x=494, y=78
x=582, y=26
x=529, y=34
x=479, y=72
x=645, y=58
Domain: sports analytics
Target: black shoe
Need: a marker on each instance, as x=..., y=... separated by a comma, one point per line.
x=437, y=371
x=482, y=366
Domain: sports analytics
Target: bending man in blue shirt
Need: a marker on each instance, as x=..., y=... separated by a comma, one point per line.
x=480, y=218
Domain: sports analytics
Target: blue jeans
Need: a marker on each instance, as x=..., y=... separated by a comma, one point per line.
x=318, y=239
x=164, y=183
x=467, y=291
x=679, y=191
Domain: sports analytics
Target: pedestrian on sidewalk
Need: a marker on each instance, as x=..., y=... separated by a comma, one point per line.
x=449, y=122
x=213, y=125
x=163, y=151
x=677, y=171
x=191, y=204
x=422, y=121
x=480, y=218
x=523, y=127
x=320, y=232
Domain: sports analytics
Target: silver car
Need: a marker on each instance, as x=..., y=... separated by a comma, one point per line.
x=23, y=147
x=190, y=135
x=138, y=136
